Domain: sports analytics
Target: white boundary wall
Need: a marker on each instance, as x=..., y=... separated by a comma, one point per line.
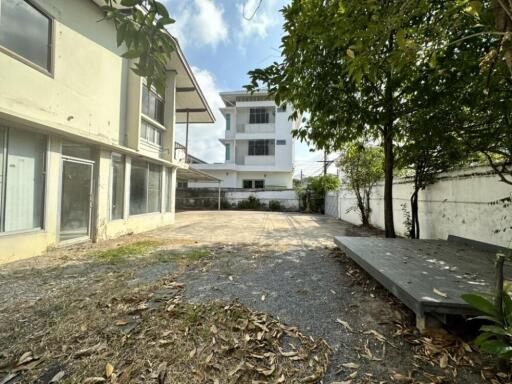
x=286, y=197
x=457, y=204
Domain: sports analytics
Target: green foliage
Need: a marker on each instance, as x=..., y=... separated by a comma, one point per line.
x=495, y=339
x=323, y=184
x=140, y=26
x=362, y=168
x=124, y=251
x=251, y=203
x=274, y=205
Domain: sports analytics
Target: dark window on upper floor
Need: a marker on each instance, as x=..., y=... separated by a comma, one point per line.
x=152, y=105
x=26, y=31
x=280, y=142
x=259, y=116
x=261, y=147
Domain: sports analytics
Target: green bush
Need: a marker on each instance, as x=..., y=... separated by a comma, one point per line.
x=496, y=337
x=274, y=205
x=251, y=203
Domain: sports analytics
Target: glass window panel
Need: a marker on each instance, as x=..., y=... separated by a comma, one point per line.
x=75, y=212
x=154, y=188
x=228, y=122
x=152, y=105
x=228, y=151
x=78, y=150
x=118, y=171
x=159, y=111
x=259, y=183
x=145, y=100
x=24, y=189
x=247, y=184
x=138, y=187
x=168, y=205
x=3, y=143
x=143, y=129
x=26, y=31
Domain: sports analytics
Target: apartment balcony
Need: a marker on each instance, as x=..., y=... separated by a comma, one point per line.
x=256, y=160
x=256, y=128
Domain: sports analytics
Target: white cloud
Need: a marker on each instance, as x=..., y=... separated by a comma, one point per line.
x=257, y=17
x=204, y=138
x=198, y=23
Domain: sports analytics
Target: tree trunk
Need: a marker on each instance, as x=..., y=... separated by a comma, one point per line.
x=415, y=224
x=388, y=136
x=388, y=182
x=361, y=206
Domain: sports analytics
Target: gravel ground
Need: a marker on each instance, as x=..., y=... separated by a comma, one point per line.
x=284, y=264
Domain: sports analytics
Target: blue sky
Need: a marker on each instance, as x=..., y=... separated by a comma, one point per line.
x=222, y=46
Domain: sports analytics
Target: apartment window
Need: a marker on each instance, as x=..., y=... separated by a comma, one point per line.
x=151, y=133
x=253, y=184
x=155, y=188
x=26, y=31
x=170, y=186
x=182, y=184
x=152, y=105
x=261, y=148
x=118, y=176
x=258, y=116
x=228, y=122
x=22, y=179
x=228, y=152
x=280, y=142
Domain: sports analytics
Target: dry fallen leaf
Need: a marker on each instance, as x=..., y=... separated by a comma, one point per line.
x=109, y=370
x=345, y=324
x=438, y=292
x=351, y=365
x=121, y=322
x=443, y=361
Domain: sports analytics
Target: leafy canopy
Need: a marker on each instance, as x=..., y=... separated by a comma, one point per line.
x=140, y=26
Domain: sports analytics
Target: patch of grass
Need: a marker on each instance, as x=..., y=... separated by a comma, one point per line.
x=191, y=255
x=124, y=251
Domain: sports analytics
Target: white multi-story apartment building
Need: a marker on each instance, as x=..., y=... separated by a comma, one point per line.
x=258, y=143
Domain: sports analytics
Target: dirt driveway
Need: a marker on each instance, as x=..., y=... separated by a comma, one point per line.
x=94, y=313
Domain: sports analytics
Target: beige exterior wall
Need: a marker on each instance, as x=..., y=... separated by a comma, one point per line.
x=91, y=97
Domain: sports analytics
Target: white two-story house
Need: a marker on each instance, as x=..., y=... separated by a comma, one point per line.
x=87, y=151
x=259, y=148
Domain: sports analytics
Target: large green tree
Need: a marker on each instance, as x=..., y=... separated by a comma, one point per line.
x=141, y=28
x=353, y=65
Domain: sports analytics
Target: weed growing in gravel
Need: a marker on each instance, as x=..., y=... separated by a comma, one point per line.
x=124, y=251
x=191, y=255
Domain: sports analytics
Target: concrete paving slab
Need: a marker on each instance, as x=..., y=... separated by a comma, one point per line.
x=429, y=276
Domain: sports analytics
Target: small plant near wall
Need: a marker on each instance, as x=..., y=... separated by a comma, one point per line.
x=495, y=337
x=274, y=205
x=251, y=203
x=361, y=166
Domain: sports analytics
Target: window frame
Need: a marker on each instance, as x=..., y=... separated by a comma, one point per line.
x=253, y=149
x=253, y=183
x=152, y=92
x=51, y=45
x=228, y=152
x=44, y=189
x=259, y=115
x=228, y=121
x=150, y=126
x=123, y=215
x=161, y=189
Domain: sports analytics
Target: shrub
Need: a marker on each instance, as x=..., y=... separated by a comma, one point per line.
x=274, y=205
x=251, y=203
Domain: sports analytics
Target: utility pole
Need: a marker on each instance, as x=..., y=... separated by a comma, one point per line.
x=326, y=162
x=186, y=140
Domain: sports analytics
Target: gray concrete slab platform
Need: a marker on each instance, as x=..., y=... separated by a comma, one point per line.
x=429, y=276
